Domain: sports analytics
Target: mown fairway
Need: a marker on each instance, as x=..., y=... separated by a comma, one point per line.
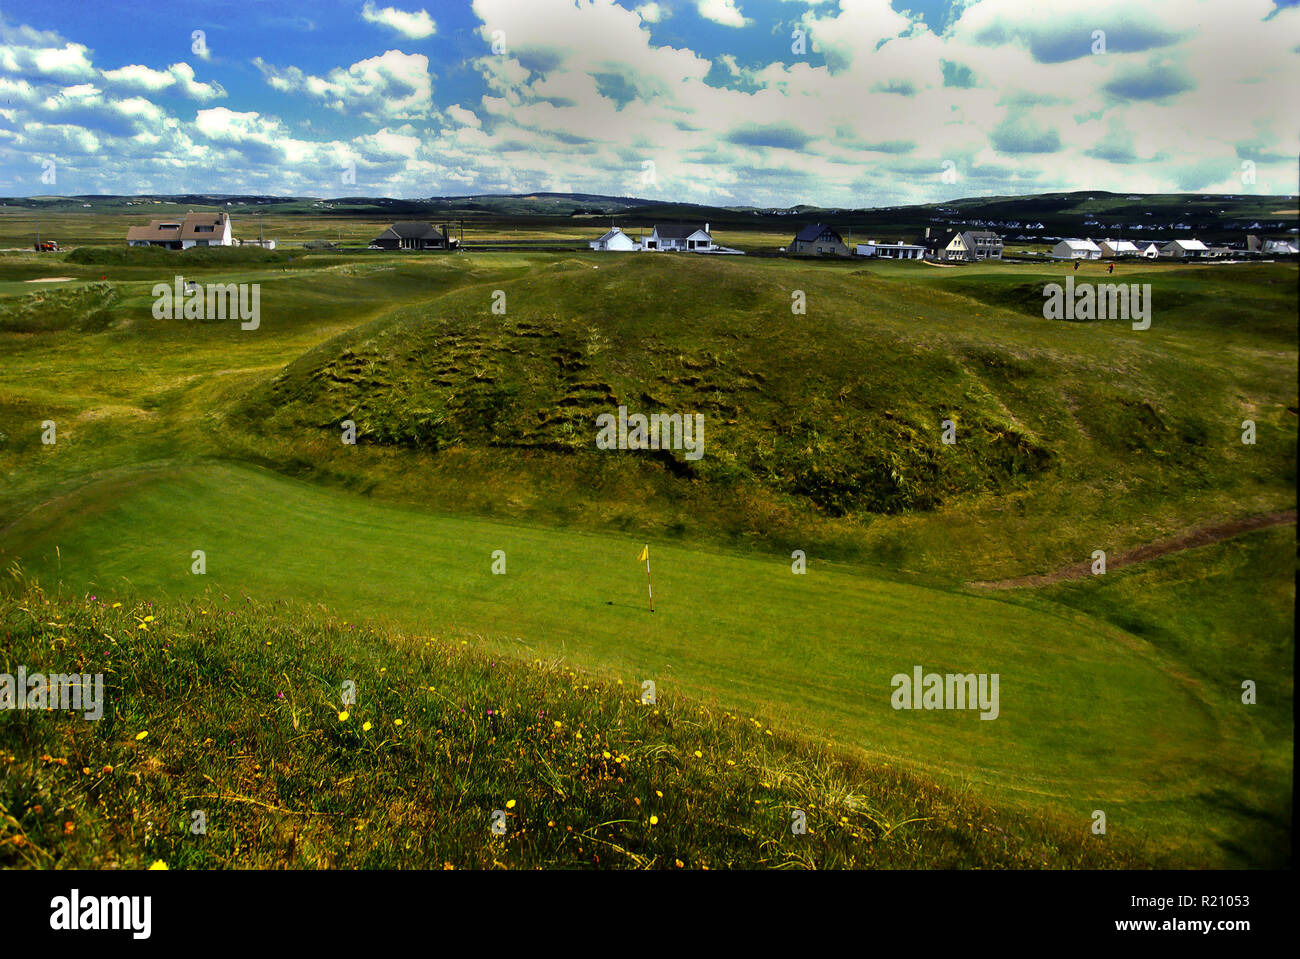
x=1119, y=693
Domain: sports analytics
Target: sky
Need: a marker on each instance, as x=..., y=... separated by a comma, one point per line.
x=770, y=103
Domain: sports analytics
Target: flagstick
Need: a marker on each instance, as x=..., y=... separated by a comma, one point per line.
x=649, y=588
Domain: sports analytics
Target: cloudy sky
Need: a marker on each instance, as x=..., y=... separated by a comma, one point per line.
x=764, y=102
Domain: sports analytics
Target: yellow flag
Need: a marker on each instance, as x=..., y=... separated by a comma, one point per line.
x=645, y=554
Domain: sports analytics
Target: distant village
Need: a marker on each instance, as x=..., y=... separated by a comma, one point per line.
x=949, y=246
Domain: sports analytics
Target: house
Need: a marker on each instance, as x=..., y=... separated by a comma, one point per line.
x=414, y=235
x=1076, y=250
x=982, y=244
x=946, y=247
x=1150, y=252
x=1257, y=244
x=1117, y=248
x=818, y=240
x=678, y=237
x=1184, y=250
x=615, y=241
x=194, y=229
x=892, y=251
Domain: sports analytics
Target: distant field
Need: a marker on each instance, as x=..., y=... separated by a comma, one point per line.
x=823, y=428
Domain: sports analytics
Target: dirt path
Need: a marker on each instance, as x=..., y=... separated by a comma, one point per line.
x=1201, y=536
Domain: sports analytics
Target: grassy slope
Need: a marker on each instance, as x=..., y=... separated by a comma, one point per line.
x=1090, y=714
x=233, y=709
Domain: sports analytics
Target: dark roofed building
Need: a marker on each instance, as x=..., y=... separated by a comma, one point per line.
x=816, y=239
x=194, y=229
x=414, y=235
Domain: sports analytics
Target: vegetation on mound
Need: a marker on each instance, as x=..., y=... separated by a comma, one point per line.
x=194, y=256
x=232, y=709
x=84, y=309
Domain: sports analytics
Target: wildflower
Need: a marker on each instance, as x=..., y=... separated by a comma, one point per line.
x=343, y=716
x=365, y=727
x=107, y=769
x=68, y=828
x=158, y=864
x=148, y=619
x=510, y=804
x=606, y=754
x=397, y=722
x=698, y=754
x=116, y=606
x=558, y=724
x=659, y=794
x=141, y=735
x=680, y=864
x=654, y=820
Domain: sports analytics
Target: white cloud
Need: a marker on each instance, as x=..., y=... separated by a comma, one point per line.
x=415, y=26
x=724, y=12
x=652, y=12
x=179, y=75
x=393, y=85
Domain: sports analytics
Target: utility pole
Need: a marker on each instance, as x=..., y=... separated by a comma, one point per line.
x=37, y=220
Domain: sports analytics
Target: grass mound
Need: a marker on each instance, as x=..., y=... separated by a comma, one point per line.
x=232, y=710
x=195, y=256
x=85, y=309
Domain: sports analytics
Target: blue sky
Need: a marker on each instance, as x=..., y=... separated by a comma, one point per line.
x=764, y=102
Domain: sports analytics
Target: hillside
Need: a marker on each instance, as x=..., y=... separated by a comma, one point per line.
x=232, y=709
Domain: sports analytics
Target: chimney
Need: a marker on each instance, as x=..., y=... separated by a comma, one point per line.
x=706, y=228
x=927, y=233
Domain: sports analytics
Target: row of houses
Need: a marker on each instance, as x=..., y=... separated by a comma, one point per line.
x=1086, y=249
x=815, y=239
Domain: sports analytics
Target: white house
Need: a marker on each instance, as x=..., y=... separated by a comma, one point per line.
x=1184, y=250
x=1076, y=250
x=1150, y=252
x=615, y=241
x=195, y=229
x=892, y=251
x=1114, y=248
x=678, y=237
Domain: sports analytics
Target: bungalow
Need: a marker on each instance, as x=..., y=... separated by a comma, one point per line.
x=983, y=244
x=818, y=240
x=1257, y=244
x=947, y=247
x=414, y=235
x=615, y=241
x=1076, y=250
x=892, y=251
x=1116, y=248
x=1150, y=252
x=194, y=229
x=677, y=237
x=1184, y=250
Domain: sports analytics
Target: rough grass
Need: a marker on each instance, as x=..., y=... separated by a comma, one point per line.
x=232, y=709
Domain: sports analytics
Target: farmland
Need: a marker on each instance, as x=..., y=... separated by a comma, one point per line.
x=1120, y=692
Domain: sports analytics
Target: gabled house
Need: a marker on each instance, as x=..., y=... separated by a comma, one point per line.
x=615, y=241
x=818, y=240
x=414, y=235
x=1149, y=252
x=1076, y=250
x=677, y=237
x=194, y=229
x=1116, y=248
x=1184, y=250
x=944, y=247
x=982, y=245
